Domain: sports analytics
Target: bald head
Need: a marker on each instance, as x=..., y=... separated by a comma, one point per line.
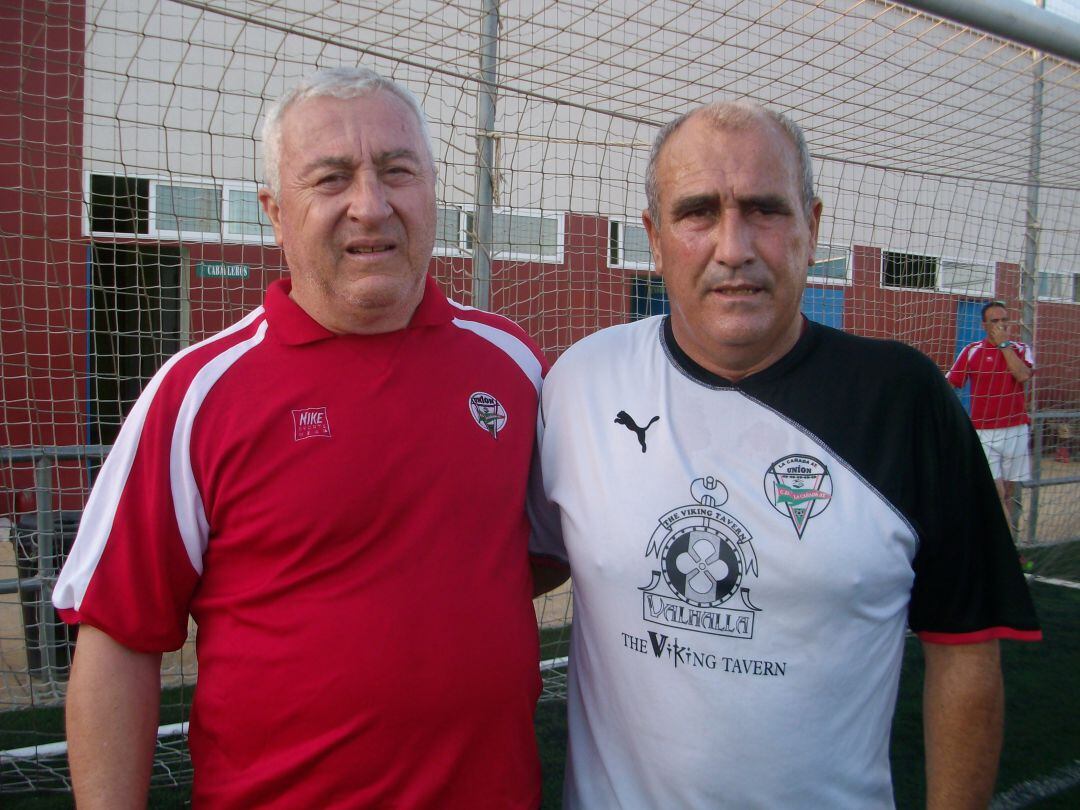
x=733, y=116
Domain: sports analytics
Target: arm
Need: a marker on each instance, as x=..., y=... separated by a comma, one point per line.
x=112, y=715
x=963, y=711
x=547, y=575
x=998, y=334
x=1017, y=367
x=957, y=375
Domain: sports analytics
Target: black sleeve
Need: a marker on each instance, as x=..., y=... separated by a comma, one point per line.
x=968, y=583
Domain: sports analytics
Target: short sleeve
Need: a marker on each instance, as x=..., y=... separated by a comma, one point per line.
x=129, y=573
x=957, y=375
x=968, y=584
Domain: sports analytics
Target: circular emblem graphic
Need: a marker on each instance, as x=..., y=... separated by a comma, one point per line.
x=488, y=412
x=702, y=567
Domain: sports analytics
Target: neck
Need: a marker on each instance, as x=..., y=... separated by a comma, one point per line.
x=735, y=362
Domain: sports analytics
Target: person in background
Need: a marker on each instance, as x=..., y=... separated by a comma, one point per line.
x=997, y=368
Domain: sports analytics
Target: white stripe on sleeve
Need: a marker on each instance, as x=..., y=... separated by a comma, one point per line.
x=511, y=345
x=100, y=510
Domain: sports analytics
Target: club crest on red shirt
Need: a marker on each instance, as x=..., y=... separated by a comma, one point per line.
x=487, y=412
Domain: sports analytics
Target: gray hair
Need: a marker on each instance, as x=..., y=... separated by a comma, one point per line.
x=338, y=82
x=732, y=115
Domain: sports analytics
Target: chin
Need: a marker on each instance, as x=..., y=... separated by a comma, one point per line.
x=379, y=291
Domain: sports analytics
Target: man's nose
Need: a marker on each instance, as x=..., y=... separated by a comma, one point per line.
x=733, y=245
x=368, y=202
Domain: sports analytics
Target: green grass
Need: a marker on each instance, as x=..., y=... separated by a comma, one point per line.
x=1042, y=708
x=1041, y=705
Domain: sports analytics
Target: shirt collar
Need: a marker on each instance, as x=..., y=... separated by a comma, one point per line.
x=291, y=325
x=807, y=338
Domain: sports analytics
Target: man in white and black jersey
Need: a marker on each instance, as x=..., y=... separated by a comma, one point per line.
x=754, y=507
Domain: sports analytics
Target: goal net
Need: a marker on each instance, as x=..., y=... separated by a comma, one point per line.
x=948, y=161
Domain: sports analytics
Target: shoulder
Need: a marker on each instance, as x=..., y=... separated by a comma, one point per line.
x=501, y=334
x=465, y=315
x=623, y=342
x=205, y=362
x=973, y=347
x=874, y=357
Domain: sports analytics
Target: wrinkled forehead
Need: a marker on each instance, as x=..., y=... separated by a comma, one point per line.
x=372, y=110
x=704, y=143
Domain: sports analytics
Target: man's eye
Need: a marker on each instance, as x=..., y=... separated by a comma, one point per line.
x=768, y=210
x=696, y=213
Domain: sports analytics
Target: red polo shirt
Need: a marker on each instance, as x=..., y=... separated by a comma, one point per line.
x=343, y=517
x=997, y=399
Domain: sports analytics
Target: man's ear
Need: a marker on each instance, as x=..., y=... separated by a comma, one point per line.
x=653, y=231
x=273, y=212
x=815, y=222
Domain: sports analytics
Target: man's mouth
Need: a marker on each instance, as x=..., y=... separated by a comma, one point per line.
x=738, y=291
x=362, y=250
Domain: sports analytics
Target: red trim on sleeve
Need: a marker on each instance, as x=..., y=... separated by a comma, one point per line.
x=979, y=636
x=68, y=615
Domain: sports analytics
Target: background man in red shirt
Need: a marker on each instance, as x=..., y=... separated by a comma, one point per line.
x=998, y=368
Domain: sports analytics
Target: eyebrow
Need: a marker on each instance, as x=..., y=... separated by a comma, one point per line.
x=329, y=162
x=695, y=202
x=711, y=202
x=383, y=158
x=347, y=164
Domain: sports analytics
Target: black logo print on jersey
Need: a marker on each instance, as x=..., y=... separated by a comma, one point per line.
x=705, y=559
x=623, y=418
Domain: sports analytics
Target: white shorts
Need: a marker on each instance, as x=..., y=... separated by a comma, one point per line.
x=1007, y=452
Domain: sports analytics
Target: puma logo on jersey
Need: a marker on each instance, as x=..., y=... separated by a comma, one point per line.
x=623, y=418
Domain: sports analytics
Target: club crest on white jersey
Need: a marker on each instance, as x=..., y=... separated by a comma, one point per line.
x=798, y=487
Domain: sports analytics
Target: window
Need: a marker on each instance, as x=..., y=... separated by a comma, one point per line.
x=187, y=209
x=244, y=216
x=1059, y=287
x=119, y=205
x=527, y=235
x=830, y=263
x=175, y=208
x=628, y=245
x=967, y=278
x=521, y=235
x=451, y=231
x=908, y=270
x=648, y=297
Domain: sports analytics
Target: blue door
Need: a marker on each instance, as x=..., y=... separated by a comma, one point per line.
x=968, y=330
x=824, y=305
x=648, y=297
